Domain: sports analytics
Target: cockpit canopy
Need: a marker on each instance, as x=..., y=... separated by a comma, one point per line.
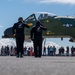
x=43, y=15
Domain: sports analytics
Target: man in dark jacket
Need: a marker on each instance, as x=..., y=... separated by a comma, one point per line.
x=18, y=33
x=36, y=37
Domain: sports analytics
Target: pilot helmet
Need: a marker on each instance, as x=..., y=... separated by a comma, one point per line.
x=20, y=19
x=38, y=23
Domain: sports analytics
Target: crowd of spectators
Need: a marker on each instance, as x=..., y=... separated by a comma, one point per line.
x=11, y=51
x=47, y=51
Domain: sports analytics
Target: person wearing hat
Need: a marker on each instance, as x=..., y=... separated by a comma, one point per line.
x=18, y=33
x=36, y=37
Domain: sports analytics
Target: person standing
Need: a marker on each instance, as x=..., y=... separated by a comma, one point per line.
x=54, y=50
x=18, y=33
x=67, y=51
x=44, y=51
x=72, y=51
x=51, y=51
x=7, y=50
x=36, y=37
x=48, y=50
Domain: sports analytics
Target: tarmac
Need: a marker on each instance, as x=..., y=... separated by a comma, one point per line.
x=29, y=65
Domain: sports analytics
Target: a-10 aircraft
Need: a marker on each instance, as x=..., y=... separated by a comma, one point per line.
x=57, y=26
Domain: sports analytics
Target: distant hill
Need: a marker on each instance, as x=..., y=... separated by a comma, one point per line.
x=11, y=42
x=5, y=42
x=48, y=43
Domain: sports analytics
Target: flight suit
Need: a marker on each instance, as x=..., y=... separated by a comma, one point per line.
x=36, y=36
x=18, y=29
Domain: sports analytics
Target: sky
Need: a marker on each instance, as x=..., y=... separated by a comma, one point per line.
x=11, y=10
